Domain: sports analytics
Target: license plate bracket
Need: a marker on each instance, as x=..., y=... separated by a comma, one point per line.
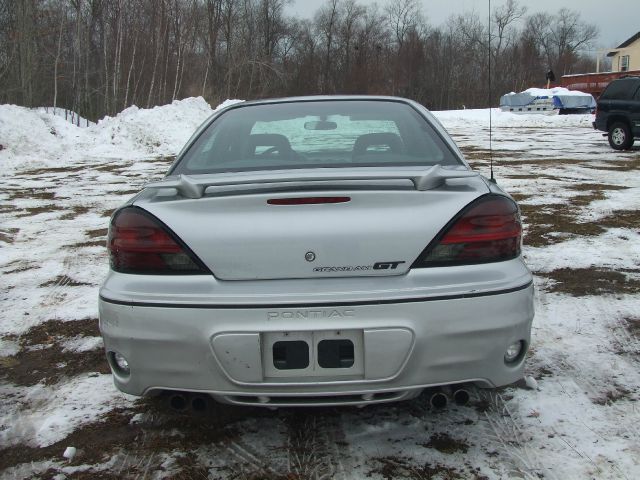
x=313, y=353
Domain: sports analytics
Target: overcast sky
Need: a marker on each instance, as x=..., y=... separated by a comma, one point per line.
x=617, y=19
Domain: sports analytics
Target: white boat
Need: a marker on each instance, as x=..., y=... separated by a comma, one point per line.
x=548, y=101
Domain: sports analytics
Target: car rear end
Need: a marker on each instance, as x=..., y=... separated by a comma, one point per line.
x=270, y=281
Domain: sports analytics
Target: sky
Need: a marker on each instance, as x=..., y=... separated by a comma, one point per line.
x=617, y=19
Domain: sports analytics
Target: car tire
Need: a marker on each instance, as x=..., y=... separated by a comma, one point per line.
x=620, y=137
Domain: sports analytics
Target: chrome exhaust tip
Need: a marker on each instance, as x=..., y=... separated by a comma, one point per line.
x=438, y=400
x=199, y=403
x=178, y=402
x=461, y=397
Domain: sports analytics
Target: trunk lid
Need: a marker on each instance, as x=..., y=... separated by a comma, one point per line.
x=380, y=230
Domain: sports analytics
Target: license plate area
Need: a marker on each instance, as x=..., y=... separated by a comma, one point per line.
x=318, y=353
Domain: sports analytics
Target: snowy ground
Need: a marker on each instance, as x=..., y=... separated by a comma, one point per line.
x=580, y=205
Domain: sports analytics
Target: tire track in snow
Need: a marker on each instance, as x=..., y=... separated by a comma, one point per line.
x=245, y=460
x=626, y=339
x=56, y=294
x=518, y=441
x=315, y=445
x=503, y=432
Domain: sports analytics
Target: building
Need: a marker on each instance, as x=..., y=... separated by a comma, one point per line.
x=626, y=56
x=625, y=60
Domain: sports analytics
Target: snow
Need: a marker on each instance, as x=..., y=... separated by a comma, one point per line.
x=68, y=115
x=138, y=131
x=531, y=382
x=9, y=347
x=557, y=98
x=616, y=249
x=480, y=118
x=53, y=412
x=549, y=92
x=35, y=138
x=576, y=419
x=69, y=453
x=81, y=344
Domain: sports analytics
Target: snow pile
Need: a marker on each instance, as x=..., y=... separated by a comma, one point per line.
x=155, y=131
x=29, y=136
x=34, y=138
x=69, y=115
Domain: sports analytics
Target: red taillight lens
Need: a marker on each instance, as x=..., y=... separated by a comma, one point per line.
x=140, y=243
x=488, y=230
x=307, y=200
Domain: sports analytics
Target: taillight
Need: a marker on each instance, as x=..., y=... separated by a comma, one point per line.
x=488, y=230
x=139, y=243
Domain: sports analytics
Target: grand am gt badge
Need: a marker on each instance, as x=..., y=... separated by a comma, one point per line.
x=359, y=268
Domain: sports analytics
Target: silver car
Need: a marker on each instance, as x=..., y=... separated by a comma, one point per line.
x=317, y=251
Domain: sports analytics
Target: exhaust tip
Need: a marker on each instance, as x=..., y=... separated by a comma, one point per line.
x=438, y=400
x=199, y=404
x=178, y=402
x=461, y=397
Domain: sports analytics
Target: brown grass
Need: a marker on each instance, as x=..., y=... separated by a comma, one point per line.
x=581, y=282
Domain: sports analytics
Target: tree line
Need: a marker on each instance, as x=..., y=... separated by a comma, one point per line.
x=97, y=57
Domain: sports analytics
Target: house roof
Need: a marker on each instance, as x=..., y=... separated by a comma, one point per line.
x=624, y=44
x=629, y=41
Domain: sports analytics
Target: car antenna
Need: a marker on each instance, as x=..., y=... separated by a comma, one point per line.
x=492, y=179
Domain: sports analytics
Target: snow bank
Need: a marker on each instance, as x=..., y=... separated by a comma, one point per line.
x=155, y=131
x=28, y=136
x=33, y=138
x=68, y=115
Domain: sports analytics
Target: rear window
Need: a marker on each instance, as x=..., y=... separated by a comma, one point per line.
x=620, y=90
x=316, y=134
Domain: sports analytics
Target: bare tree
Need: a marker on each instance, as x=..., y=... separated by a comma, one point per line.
x=106, y=55
x=504, y=18
x=403, y=16
x=560, y=37
x=327, y=24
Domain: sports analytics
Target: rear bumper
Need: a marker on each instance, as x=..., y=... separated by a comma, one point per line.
x=401, y=347
x=600, y=123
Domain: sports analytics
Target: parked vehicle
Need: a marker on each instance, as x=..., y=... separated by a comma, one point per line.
x=618, y=112
x=317, y=251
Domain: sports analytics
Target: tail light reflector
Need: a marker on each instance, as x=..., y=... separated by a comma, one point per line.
x=139, y=243
x=488, y=230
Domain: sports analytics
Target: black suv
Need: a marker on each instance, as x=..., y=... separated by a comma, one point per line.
x=618, y=112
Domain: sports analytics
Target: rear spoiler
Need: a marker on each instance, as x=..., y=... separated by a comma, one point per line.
x=195, y=186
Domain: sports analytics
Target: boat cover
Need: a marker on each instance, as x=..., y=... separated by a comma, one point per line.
x=562, y=98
